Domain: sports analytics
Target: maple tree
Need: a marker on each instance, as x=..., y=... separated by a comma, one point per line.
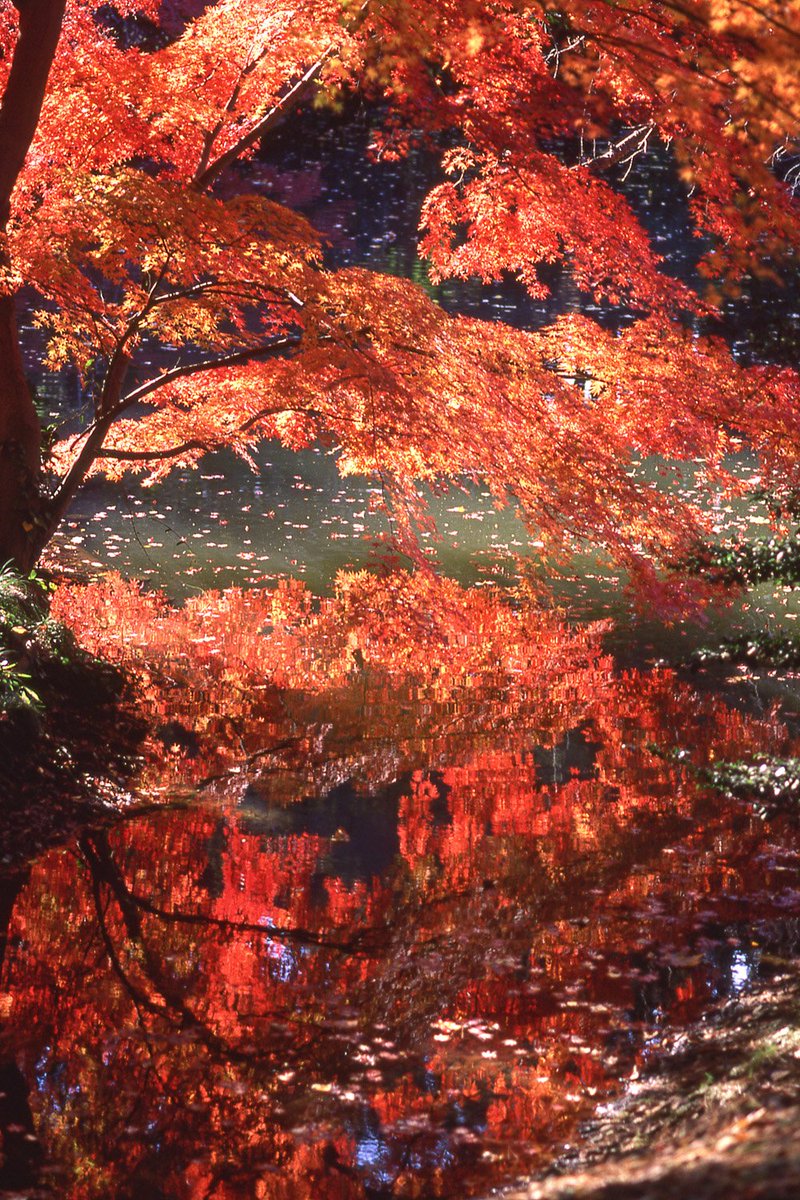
x=119, y=126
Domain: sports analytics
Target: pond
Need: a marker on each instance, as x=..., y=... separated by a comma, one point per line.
x=392, y=929
x=391, y=915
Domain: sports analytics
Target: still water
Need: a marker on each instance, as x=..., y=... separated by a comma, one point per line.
x=405, y=913
x=404, y=896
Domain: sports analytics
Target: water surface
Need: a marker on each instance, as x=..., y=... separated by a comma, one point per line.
x=400, y=945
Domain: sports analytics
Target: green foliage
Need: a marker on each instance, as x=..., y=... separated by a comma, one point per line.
x=782, y=502
x=15, y=689
x=29, y=640
x=16, y=613
x=773, y=783
x=747, y=563
x=763, y=1056
x=753, y=649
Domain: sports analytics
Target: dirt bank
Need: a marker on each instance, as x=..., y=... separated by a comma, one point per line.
x=715, y=1117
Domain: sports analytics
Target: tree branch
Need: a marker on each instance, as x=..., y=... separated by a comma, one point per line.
x=96, y=434
x=197, y=443
x=295, y=94
x=212, y=134
x=147, y=455
x=623, y=150
x=265, y=350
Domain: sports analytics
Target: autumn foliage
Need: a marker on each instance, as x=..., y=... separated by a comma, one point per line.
x=412, y=660
x=198, y=314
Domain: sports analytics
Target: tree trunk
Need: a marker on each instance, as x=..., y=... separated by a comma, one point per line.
x=21, y=536
x=20, y=442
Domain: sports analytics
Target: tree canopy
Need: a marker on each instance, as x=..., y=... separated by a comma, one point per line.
x=131, y=228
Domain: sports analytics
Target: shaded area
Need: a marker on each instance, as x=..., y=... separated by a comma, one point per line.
x=68, y=739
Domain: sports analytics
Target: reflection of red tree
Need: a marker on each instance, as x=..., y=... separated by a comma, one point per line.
x=556, y=1021
x=212, y=1002
x=414, y=659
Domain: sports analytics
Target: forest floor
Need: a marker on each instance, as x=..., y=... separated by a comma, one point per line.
x=715, y=1117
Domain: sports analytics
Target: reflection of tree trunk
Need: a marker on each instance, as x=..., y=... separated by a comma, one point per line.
x=104, y=869
x=21, y=1153
x=10, y=888
x=167, y=998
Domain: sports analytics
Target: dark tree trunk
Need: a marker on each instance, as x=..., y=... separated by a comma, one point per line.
x=19, y=450
x=21, y=531
x=20, y=1152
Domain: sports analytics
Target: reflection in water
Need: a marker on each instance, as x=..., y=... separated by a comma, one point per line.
x=431, y=885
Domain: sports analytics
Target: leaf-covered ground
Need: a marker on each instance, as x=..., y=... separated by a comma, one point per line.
x=717, y=1116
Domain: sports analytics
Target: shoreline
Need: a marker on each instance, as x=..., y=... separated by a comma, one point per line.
x=716, y=1114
